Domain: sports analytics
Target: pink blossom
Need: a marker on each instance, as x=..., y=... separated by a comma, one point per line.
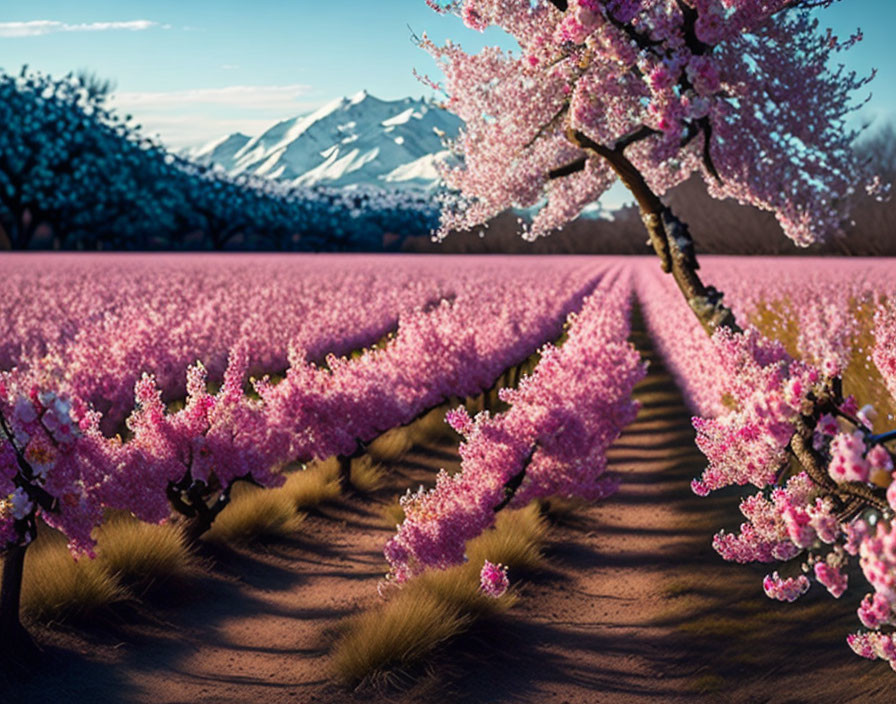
x=848, y=463
x=875, y=611
x=493, y=580
x=831, y=577
x=789, y=589
x=891, y=493
x=66, y=461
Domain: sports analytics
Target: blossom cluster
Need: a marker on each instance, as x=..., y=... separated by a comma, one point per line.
x=876, y=547
x=493, y=579
x=551, y=441
x=779, y=527
x=200, y=450
x=768, y=389
x=54, y=463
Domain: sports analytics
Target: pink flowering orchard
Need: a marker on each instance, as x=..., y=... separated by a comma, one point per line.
x=612, y=394
x=745, y=94
x=58, y=465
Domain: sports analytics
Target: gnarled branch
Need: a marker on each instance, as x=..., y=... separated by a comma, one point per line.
x=669, y=236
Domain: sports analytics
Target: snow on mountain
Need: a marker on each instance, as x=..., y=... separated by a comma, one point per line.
x=356, y=140
x=221, y=151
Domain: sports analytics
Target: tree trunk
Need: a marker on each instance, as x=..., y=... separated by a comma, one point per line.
x=16, y=644
x=193, y=529
x=345, y=472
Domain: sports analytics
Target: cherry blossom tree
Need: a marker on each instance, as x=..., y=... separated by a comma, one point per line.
x=648, y=92
x=54, y=465
x=190, y=460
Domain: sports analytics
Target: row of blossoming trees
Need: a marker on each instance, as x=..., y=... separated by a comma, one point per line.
x=75, y=175
x=743, y=93
x=58, y=467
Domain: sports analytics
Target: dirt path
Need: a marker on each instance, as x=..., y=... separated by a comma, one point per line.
x=636, y=607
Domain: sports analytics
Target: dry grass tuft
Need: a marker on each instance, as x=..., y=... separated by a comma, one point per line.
x=392, y=513
x=459, y=587
x=255, y=513
x=391, y=445
x=432, y=427
x=367, y=475
x=396, y=634
x=56, y=588
x=516, y=540
x=438, y=605
x=144, y=556
x=318, y=483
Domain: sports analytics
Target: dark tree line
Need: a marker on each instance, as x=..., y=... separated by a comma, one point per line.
x=75, y=175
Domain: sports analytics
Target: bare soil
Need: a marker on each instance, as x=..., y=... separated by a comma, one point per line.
x=635, y=606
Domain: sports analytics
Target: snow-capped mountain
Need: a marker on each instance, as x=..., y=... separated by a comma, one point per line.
x=357, y=140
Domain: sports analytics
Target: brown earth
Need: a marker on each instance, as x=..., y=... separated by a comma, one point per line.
x=634, y=607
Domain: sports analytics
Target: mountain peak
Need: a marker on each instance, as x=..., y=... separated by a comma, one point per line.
x=359, y=140
x=359, y=97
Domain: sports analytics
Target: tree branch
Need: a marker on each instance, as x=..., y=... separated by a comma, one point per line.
x=669, y=236
x=26, y=477
x=636, y=135
x=544, y=128
x=847, y=493
x=514, y=483
x=706, y=127
x=568, y=169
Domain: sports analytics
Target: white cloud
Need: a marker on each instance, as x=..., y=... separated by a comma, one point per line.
x=179, y=131
x=35, y=28
x=192, y=117
x=274, y=98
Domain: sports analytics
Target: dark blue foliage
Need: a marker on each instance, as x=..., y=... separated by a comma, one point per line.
x=75, y=175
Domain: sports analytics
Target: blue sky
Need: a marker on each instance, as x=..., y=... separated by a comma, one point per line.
x=194, y=69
